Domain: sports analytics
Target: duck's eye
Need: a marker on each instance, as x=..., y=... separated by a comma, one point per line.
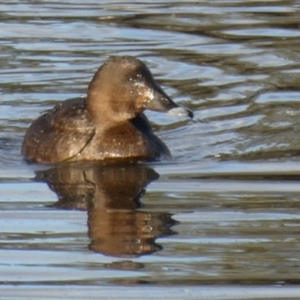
x=135, y=78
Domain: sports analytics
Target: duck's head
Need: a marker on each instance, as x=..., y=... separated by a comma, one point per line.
x=124, y=86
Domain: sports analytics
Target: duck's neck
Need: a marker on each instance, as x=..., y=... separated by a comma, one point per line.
x=106, y=112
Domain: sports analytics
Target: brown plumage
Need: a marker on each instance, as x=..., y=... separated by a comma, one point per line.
x=106, y=124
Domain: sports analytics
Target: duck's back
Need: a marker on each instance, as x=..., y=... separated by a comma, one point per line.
x=60, y=133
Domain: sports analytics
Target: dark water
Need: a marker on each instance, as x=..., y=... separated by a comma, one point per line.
x=219, y=221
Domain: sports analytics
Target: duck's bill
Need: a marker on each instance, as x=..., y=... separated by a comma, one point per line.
x=181, y=111
x=162, y=102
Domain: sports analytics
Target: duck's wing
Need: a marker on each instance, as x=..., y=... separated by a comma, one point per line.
x=59, y=134
x=70, y=115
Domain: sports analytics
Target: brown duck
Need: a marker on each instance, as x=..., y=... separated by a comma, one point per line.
x=106, y=124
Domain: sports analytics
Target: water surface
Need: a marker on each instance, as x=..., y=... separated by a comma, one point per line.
x=219, y=221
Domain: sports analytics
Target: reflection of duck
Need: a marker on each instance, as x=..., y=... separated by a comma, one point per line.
x=109, y=123
x=111, y=194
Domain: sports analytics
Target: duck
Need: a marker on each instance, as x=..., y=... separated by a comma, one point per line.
x=108, y=123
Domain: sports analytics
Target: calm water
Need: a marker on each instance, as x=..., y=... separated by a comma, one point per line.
x=219, y=221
